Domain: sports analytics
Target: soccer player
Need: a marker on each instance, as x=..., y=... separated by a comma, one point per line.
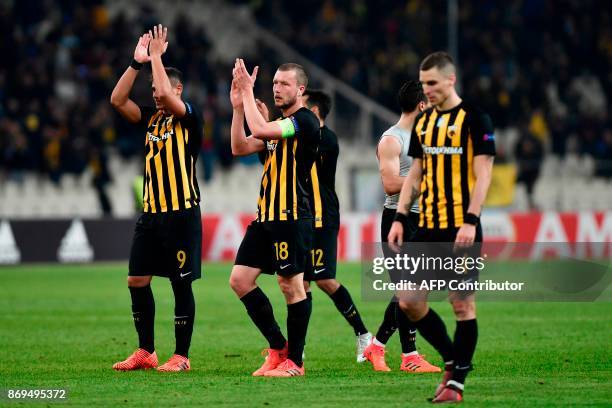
x=453, y=147
x=168, y=234
x=279, y=240
x=323, y=256
x=393, y=164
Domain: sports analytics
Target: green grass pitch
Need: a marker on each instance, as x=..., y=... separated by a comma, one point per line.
x=64, y=326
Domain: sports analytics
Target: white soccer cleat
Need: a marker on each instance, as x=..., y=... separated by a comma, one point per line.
x=363, y=340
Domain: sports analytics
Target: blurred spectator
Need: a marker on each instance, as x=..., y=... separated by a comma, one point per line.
x=529, y=154
x=604, y=155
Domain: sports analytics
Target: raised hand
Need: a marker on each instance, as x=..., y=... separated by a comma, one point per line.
x=263, y=109
x=141, y=53
x=158, y=43
x=243, y=79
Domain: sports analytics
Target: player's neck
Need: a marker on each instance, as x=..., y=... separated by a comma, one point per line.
x=449, y=103
x=292, y=109
x=406, y=120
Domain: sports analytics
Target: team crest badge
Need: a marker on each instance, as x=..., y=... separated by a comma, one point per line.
x=451, y=131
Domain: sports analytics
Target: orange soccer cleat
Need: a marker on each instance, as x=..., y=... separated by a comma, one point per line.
x=273, y=360
x=416, y=363
x=376, y=355
x=141, y=359
x=449, y=395
x=176, y=363
x=286, y=369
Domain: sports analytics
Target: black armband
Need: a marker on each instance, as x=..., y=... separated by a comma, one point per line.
x=136, y=65
x=403, y=218
x=471, y=219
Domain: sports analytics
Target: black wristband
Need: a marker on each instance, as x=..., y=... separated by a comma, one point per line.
x=471, y=219
x=403, y=218
x=136, y=65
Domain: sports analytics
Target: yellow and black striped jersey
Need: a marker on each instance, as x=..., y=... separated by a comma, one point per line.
x=285, y=181
x=324, y=201
x=447, y=142
x=172, y=146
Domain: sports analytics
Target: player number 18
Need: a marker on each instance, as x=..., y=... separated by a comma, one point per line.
x=282, y=250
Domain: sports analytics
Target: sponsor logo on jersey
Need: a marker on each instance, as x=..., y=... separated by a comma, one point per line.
x=443, y=149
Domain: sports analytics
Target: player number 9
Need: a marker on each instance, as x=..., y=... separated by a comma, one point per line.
x=181, y=257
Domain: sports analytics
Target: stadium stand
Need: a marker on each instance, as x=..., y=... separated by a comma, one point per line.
x=62, y=147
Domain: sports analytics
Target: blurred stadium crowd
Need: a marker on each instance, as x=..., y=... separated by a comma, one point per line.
x=542, y=67
x=60, y=63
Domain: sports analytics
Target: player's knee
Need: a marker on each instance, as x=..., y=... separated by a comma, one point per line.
x=292, y=288
x=414, y=310
x=328, y=286
x=464, y=309
x=286, y=286
x=138, y=281
x=240, y=285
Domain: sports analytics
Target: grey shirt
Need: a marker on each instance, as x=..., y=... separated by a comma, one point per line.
x=403, y=137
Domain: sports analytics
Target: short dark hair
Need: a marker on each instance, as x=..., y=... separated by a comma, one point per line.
x=174, y=75
x=300, y=73
x=439, y=59
x=410, y=95
x=319, y=99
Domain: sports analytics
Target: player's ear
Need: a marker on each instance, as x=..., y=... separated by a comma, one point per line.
x=452, y=78
x=179, y=88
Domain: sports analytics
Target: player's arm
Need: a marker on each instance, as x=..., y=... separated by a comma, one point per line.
x=483, y=170
x=260, y=127
x=411, y=187
x=388, y=152
x=172, y=102
x=411, y=190
x=120, y=97
x=483, y=140
x=241, y=144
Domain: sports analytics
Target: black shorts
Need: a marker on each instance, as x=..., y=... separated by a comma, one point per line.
x=168, y=244
x=323, y=256
x=442, y=235
x=442, y=246
x=276, y=246
x=410, y=227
